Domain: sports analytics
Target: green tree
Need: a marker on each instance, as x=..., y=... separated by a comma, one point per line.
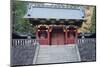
x=20, y=24
x=93, y=26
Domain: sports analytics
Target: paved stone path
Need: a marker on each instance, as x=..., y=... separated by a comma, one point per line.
x=58, y=54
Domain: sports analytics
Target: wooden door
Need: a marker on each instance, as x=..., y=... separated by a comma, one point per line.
x=60, y=38
x=57, y=38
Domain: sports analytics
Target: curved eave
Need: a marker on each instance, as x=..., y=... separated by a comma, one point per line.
x=56, y=19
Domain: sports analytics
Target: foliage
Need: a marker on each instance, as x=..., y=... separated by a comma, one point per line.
x=19, y=23
x=93, y=26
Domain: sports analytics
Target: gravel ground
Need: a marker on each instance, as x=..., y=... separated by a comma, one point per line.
x=22, y=54
x=87, y=50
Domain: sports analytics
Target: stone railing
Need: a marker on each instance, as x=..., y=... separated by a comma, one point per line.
x=16, y=42
x=86, y=40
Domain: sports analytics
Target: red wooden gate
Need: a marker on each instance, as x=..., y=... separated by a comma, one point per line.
x=57, y=38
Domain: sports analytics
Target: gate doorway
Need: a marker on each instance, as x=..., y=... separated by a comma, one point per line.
x=57, y=36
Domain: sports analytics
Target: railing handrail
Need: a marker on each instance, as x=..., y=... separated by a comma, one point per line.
x=86, y=40
x=35, y=41
x=24, y=39
x=24, y=42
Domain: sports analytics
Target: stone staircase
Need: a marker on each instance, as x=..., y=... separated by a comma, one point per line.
x=58, y=54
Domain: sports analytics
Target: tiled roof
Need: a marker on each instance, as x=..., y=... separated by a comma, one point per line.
x=55, y=13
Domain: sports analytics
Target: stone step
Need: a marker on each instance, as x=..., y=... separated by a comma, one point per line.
x=57, y=54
